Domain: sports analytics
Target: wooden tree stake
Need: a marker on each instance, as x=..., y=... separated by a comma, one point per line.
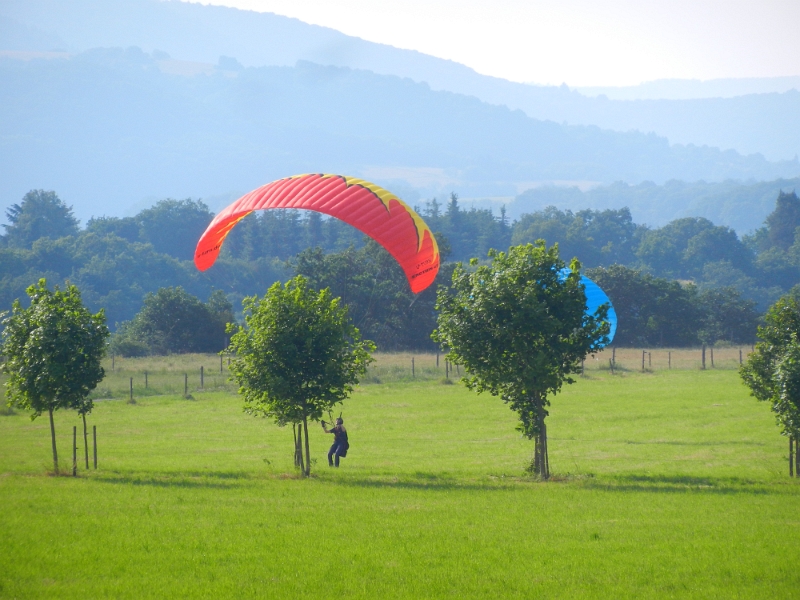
x=94, y=440
x=74, y=451
x=85, y=443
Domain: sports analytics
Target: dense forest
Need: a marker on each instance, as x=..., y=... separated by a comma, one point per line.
x=685, y=283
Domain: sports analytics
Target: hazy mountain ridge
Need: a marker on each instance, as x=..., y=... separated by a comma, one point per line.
x=742, y=206
x=695, y=89
x=107, y=128
x=765, y=123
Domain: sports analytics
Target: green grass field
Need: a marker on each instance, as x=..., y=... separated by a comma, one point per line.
x=668, y=484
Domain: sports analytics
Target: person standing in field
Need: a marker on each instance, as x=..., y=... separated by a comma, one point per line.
x=340, y=443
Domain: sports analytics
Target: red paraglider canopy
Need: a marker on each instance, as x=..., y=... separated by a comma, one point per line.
x=371, y=209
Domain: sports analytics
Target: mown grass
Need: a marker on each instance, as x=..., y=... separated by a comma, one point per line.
x=668, y=484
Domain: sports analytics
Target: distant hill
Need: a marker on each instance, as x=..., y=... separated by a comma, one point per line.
x=766, y=123
x=741, y=206
x=695, y=89
x=108, y=128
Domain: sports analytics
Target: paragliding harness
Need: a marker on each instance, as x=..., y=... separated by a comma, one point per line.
x=340, y=442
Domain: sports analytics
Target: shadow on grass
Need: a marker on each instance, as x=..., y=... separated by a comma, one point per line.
x=182, y=479
x=443, y=482
x=683, y=484
x=678, y=443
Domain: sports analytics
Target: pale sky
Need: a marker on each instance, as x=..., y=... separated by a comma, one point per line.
x=580, y=42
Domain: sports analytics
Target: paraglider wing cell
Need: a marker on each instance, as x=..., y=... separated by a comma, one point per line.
x=371, y=209
x=595, y=297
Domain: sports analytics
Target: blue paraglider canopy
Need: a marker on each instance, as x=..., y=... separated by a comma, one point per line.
x=595, y=296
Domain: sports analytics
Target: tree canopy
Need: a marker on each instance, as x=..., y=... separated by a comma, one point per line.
x=172, y=321
x=772, y=370
x=41, y=214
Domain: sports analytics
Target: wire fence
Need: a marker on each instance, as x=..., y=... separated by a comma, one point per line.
x=189, y=374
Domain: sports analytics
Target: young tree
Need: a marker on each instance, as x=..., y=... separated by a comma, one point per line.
x=297, y=355
x=519, y=329
x=53, y=350
x=772, y=372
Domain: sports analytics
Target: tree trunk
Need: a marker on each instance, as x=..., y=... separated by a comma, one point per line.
x=308, y=453
x=542, y=458
x=294, y=437
x=53, y=438
x=796, y=457
x=300, y=460
x=546, y=460
x=298, y=446
x=85, y=442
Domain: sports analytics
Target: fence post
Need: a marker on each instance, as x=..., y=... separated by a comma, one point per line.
x=131, y=399
x=145, y=380
x=112, y=362
x=94, y=444
x=669, y=360
x=413, y=374
x=220, y=363
x=703, y=356
x=185, y=384
x=437, y=360
x=201, y=377
x=643, y=353
x=649, y=359
x=740, y=356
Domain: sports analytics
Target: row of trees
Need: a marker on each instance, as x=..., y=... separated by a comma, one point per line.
x=516, y=325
